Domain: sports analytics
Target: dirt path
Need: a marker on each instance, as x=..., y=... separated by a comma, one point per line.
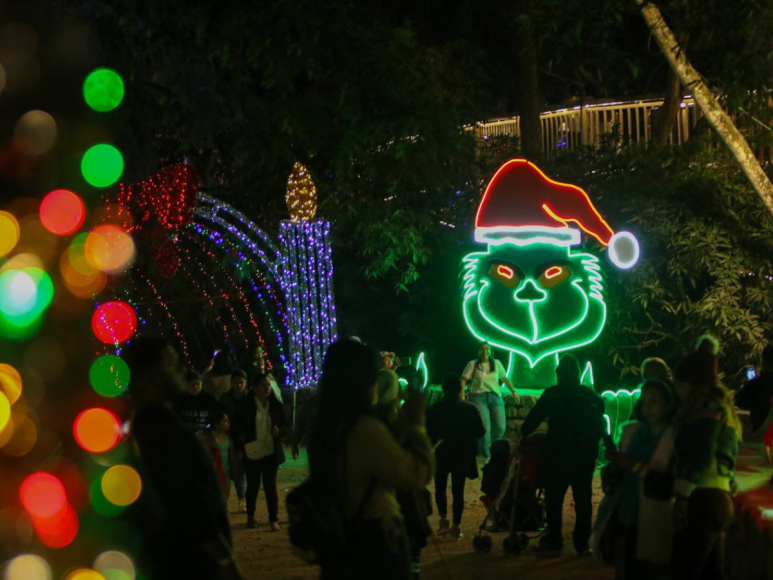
x=262, y=554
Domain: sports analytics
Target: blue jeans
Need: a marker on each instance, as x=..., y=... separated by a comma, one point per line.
x=492, y=412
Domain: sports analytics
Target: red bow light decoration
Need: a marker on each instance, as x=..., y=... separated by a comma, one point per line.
x=169, y=196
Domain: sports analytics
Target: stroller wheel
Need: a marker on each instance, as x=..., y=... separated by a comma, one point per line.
x=476, y=544
x=523, y=539
x=509, y=546
x=486, y=543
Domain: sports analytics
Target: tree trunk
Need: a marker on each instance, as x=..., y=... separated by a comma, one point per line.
x=713, y=111
x=529, y=100
x=664, y=118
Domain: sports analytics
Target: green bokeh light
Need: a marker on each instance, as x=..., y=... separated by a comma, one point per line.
x=24, y=296
x=102, y=165
x=109, y=375
x=103, y=90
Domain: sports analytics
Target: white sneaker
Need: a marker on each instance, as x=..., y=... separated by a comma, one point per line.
x=455, y=533
x=242, y=506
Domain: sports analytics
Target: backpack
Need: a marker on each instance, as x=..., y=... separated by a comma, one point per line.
x=319, y=531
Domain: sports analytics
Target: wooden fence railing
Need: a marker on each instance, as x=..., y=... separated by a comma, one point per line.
x=618, y=123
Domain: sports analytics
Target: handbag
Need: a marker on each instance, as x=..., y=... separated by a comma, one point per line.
x=252, y=451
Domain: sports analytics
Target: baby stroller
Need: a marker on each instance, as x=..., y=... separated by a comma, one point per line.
x=519, y=507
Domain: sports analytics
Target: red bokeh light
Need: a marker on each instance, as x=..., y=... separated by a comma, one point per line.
x=114, y=322
x=58, y=531
x=97, y=430
x=62, y=212
x=42, y=495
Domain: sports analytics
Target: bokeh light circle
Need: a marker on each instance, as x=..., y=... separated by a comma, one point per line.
x=110, y=562
x=62, y=212
x=103, y=90
x=22, y=438
x=102, y=165
x=114, y=322
x=18, y=293
x=5, y=411
x=97, y=430
x=42, y=495
x=109, y=249
x=35, y=132
x=28, y=567
x=9, y=232
x=121, y=485
x=58, y=531
x=84, y=574
x=109, y=375
x=10, y=382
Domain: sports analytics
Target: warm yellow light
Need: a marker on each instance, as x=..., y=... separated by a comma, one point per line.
x=301, y=195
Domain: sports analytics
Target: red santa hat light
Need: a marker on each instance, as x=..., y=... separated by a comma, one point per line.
x=523, y=206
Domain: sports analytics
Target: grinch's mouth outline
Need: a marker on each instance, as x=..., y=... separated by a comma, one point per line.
x=535, y=326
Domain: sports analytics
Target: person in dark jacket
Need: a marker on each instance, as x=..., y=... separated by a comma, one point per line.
x=706, y=448
x=259, y=424
x=454, y=427
x=757, y=394
x=230, y=401
x=576, y=424
x=193, y=405
x=188, y=536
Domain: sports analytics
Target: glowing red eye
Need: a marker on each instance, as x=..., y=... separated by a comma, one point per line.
x=553, y=271
x=505, y=272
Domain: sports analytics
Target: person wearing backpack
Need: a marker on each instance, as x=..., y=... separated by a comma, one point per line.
x=357, y=462
x=576, y=416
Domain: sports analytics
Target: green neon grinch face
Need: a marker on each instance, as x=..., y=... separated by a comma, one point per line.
x=533, y=300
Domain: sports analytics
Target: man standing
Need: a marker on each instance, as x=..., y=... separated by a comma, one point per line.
x=188, y=536
x=576, y=423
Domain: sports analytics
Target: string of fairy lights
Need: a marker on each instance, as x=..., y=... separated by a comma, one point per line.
x=307, y=279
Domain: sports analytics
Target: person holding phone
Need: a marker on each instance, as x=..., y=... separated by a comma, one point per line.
x=755, y=396
x=485, y=376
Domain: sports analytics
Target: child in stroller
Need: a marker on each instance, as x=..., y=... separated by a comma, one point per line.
x=513, y=494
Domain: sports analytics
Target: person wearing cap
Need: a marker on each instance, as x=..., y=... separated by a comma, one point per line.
x=387, y=360
x=706, y=450
x=576, y=424
x=194, y=405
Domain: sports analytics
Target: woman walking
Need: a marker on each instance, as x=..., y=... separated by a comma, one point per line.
x=706, y=448
x=485, y=375
x=259, y=426
x=454, y=427
x=356, y=458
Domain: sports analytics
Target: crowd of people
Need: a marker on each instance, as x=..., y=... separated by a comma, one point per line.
x=374, y=447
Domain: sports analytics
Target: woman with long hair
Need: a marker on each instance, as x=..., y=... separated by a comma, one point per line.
x=356, y=458
x=485, y=376
x=455, y=427
x=706, y=448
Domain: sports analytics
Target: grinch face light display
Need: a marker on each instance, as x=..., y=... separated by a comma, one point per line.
x=529, y=293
